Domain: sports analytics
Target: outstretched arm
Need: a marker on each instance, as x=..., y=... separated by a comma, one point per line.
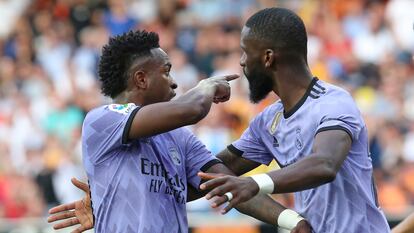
x=187, y=109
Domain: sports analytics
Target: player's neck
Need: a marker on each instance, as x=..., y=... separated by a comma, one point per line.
x=291, y=86
x=128, y=97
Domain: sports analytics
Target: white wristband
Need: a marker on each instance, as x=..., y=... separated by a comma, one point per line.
x=264, y=182
x=288, y=219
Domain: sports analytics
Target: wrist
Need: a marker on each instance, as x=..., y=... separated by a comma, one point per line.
x=207, y=88
x=265, y=183
x=289, y=219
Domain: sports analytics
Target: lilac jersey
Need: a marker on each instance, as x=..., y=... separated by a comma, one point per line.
x=139, y=186
x=346, y=205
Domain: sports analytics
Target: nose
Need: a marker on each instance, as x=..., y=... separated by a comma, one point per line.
x=173, y=84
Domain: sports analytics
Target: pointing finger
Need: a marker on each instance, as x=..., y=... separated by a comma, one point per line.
x=209, y=176
x=231, y=77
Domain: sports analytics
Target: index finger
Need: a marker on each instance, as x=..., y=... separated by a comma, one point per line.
x=61, y=208
x=213, y=183
x=231, y=77
x=209, y=176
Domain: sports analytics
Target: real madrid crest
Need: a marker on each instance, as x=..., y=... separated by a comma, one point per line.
x=175, y=156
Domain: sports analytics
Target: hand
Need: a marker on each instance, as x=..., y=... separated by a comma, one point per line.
x=222, y=87
x=242, y=189
x=78, y=212
x=302, y=227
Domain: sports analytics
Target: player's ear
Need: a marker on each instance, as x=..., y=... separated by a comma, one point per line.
x=140, y=79
x=269, y=58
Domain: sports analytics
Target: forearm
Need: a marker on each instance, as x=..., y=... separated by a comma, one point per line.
x=309, y=172
x=162, y=117
x=197, y=101
x=263, y=208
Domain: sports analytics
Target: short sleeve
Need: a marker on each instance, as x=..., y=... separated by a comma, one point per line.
x=198, y=158
x=250, y=145
x=341, y=114
x=106, y=129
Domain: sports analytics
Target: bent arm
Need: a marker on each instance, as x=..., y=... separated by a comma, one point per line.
x=261, y=207
x=188, y=109
x=328, y=153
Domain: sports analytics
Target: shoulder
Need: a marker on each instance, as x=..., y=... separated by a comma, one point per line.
x=337, y=103
x=116, y=109
x=110, y=114
x=335, y=99
x=334, y=90
x=94, y=113
x=123, y=109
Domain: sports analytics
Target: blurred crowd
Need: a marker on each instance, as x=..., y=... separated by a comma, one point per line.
x=49, y=51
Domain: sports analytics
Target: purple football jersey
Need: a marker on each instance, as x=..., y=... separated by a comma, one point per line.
x=140, y=185
x=346, y=205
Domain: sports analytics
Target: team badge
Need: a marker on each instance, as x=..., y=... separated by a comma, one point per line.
x=275, y=122
x=175, y=156
x=121, y=108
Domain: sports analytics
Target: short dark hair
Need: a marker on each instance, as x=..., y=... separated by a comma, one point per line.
x=118, y=56
x=280, y=27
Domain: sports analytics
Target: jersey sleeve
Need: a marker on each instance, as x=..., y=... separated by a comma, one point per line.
x=106, y=129
x=198, y=158
x=341, y=114
x=250, y=145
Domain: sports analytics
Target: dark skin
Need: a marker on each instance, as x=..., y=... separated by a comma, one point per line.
x=329, y=150
x=151, y=87
x=406, y=226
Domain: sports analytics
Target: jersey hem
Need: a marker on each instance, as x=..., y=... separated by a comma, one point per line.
x=335, y=127
x=209, y=164
x=234, y=150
